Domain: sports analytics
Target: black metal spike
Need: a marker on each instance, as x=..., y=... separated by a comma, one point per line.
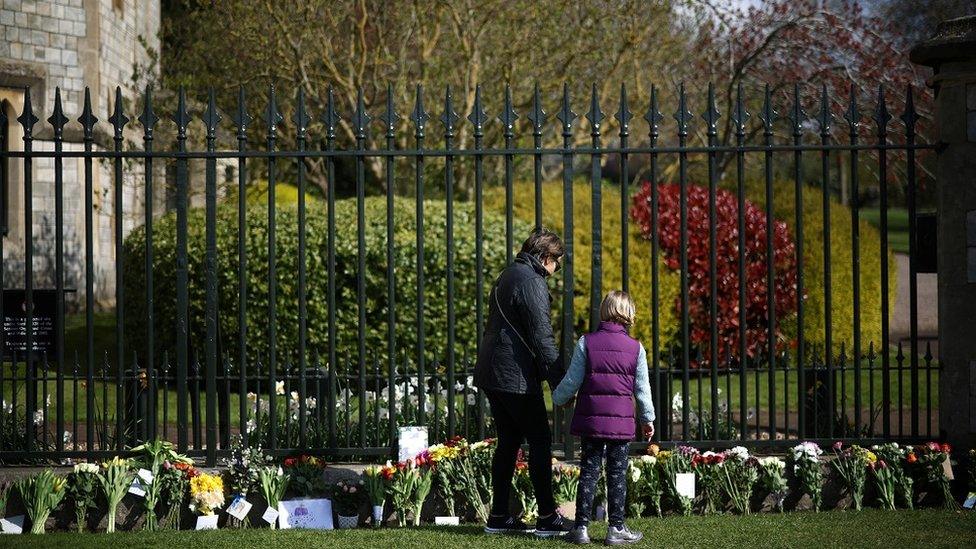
x=843, y=355
x=682, y=116
x=182, y=117
x=272, y=116
x=241, y=118
x=361, y=118
x=825, y=118
x=769, y=114
x=537, y=115
x=797, y=114
x=57, y=118
x=852, y=114
x=301, y=117
x=508, y=116
x=739, y=115
x=390, y=117
x=118, y=118
x=623, y=114
x=566, y=114
x=711, y=114
x=594, y=115
x=87, y=118
x=331, y=116
x=881, y=114
x=900, y=357
x=419, y=116
x=148, y=118
x=653, y=116
x=478, y=116
x=211, y=117
x=871, y=355
x=449, y=118
x=910, y=116
x=27, y=118
x=928, y=351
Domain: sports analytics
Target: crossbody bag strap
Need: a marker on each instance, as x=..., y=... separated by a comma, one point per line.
x=509, y=322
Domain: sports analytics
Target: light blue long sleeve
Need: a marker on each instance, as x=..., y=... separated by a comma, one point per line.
x=573, y=380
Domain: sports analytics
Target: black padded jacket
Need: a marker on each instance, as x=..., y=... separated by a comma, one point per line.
x=519, y=353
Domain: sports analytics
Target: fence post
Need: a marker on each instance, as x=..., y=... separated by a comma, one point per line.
x=952, y=54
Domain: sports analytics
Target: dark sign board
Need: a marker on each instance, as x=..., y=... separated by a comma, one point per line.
x=15, y=323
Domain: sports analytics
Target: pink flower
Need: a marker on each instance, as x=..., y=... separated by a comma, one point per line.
x=838, y=445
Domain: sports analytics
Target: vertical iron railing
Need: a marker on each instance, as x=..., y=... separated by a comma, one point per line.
x=352, y=400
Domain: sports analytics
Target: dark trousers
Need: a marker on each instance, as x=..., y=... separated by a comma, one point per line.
x=521, y=418
x=591, y=461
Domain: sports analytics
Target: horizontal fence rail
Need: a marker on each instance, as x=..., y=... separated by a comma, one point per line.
x=325, y=323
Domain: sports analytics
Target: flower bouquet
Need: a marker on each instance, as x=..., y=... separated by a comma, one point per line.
x=934, y=460
x=651, y=487
x=243, y=469
x=206, y=496
x=674, y=463
x=115, y=478
x=522, y=487
x=635, y=492
x=422, y=486
x=83, y=489
x=709, y=471
x=403, y=480
x=771, y=476
x=41, y=494
x=154, y=455
x=806, y=465
x=274, y=483
x=565, y=482
x=738, y=478
x=175, y=481
x=347, y=498
x=852, y=464
x=375, y=480
x=901, y=483
x=305, y=475
x=443, y=459
x=475, y=474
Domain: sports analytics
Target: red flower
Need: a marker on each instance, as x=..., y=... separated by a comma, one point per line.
x=946, y=449
x=289, y=462
x=911, y=457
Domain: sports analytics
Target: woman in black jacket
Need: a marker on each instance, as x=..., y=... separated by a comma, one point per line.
x=518, y=352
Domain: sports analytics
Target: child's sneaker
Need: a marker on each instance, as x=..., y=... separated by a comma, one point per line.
x=578, y=536
x=552, y=526
x=507, y=525
x=621, y=535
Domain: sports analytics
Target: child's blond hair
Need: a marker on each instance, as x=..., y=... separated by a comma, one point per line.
x=618, y=307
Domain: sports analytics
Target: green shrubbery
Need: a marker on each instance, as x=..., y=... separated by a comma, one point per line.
x=640, y=254
x=841, y=270
x=435, y=310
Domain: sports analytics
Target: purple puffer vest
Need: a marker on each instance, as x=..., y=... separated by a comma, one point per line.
x=605, y=404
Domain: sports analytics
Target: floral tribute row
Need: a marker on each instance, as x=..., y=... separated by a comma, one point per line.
x=457, y=473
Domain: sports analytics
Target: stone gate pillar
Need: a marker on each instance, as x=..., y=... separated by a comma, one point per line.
x=952, y=54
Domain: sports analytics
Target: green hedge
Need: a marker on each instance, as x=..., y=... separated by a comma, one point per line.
x=841, y=268
x=435, y=311
x=640, y=254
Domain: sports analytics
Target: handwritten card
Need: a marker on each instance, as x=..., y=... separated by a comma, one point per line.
x=970, y=500
x=412, y=441
x=207, y=522
x=146, y=476
x=12, y=525
x=685, y=484
x=315, y=514
x=137, y=489
x=239, y=508
x=270, y=515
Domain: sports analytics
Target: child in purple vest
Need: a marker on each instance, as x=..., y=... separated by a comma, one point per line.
x=609, y=371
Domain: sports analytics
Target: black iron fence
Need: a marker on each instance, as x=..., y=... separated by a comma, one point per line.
x=722, y=370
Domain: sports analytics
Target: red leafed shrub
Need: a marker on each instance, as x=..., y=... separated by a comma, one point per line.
x=727, y=266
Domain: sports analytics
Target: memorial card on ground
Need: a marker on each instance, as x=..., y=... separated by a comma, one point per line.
x=314, y=514
x=12, y=525
x=207, y=522
x=685, y=484
x=412, y=441
x=270, y=515
x=239, y=508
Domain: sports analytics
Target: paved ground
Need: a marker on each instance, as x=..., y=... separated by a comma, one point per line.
x=928, y=306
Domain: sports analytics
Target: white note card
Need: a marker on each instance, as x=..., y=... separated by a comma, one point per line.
x=146, y=476
x=270, y=515
x=412, y=441
x=136, y=489
x=207, y=522
x=970, y=500
x=447, y=521
x=12, y=525
x=239, y=508
x=685, y=483
x=314, y=514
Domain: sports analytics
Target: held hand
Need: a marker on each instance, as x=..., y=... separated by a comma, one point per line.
x=648, y=430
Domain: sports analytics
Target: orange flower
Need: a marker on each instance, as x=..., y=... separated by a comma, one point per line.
x=653, y=449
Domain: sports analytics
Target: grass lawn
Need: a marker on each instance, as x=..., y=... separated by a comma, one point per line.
x=897, y=226
x=869, y=528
